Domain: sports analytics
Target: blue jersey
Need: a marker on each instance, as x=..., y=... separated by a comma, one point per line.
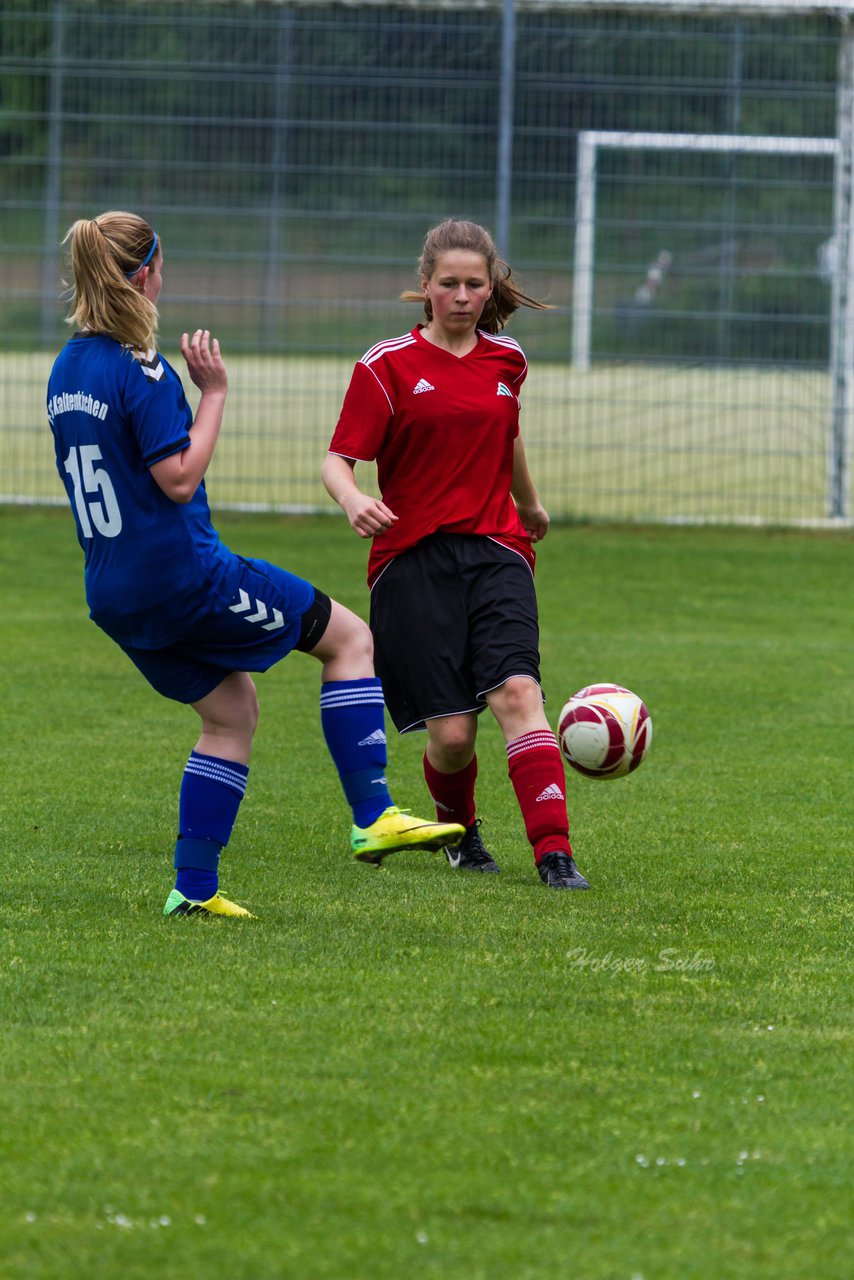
x=150, y=563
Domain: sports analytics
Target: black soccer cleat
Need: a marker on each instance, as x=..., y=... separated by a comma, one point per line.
x=558, y=871
x=471, y=854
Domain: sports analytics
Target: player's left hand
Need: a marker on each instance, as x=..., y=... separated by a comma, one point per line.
x=535, y=521
x=204, y=361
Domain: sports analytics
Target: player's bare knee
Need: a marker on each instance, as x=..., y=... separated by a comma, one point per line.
x=456, y=755
x=453, y=740
x=519, y=692
x=362, y=642
x=347, y=647
x=351, y=642
x=518, y=696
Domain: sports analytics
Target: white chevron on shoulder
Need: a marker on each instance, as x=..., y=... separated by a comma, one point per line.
x=150, y=363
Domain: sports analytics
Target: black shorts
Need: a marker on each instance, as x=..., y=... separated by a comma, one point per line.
x=453, y=618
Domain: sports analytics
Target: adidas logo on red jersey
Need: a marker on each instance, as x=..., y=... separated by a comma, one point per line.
x=422, y=385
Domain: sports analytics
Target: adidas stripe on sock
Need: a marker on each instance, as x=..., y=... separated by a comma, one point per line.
x=211, y=792
x=352, y=715
x=537, y=773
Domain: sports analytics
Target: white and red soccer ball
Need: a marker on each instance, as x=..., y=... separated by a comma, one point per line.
x=604, y=731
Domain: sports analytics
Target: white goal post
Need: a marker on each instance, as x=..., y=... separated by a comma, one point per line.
x=591, y=141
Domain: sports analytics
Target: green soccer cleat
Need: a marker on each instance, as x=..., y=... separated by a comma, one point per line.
x=395, y=829
x=178, y=905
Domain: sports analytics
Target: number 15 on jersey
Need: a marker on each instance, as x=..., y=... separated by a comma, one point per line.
x=94, y=495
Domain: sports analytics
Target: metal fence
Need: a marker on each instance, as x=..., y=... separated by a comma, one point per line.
x=697, y=361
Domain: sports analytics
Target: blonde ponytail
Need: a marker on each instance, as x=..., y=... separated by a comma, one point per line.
x=106, y=252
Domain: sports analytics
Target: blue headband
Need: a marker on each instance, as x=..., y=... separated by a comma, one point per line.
x=145, y=260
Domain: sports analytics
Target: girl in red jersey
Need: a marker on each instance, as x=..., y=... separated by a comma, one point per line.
x=453, y=605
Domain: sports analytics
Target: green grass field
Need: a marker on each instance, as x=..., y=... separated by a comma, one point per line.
x=410, y=1072
x=620, y=442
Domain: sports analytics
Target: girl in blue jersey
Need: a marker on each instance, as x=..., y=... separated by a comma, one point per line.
x=193, y=616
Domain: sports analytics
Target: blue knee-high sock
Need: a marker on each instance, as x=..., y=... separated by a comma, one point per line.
x=352, y=715
x=211, y=791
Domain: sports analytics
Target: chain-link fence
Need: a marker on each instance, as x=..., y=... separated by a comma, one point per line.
x=292, y=155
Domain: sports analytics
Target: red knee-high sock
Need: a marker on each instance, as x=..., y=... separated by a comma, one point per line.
x=453, y=793
x=536, y=771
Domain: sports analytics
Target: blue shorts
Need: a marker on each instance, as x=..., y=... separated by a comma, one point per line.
x=270, y=613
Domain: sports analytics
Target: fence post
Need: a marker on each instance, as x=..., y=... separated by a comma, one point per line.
x=842, y=297
x=505, y=127
x=271, y=267
x=582, y=273
x=53, y=179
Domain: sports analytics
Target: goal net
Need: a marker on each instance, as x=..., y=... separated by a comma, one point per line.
x=718, y=250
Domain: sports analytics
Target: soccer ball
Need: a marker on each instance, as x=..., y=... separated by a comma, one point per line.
x=604, y=731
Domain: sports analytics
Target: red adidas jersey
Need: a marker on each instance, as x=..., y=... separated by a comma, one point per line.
x=441, y=428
